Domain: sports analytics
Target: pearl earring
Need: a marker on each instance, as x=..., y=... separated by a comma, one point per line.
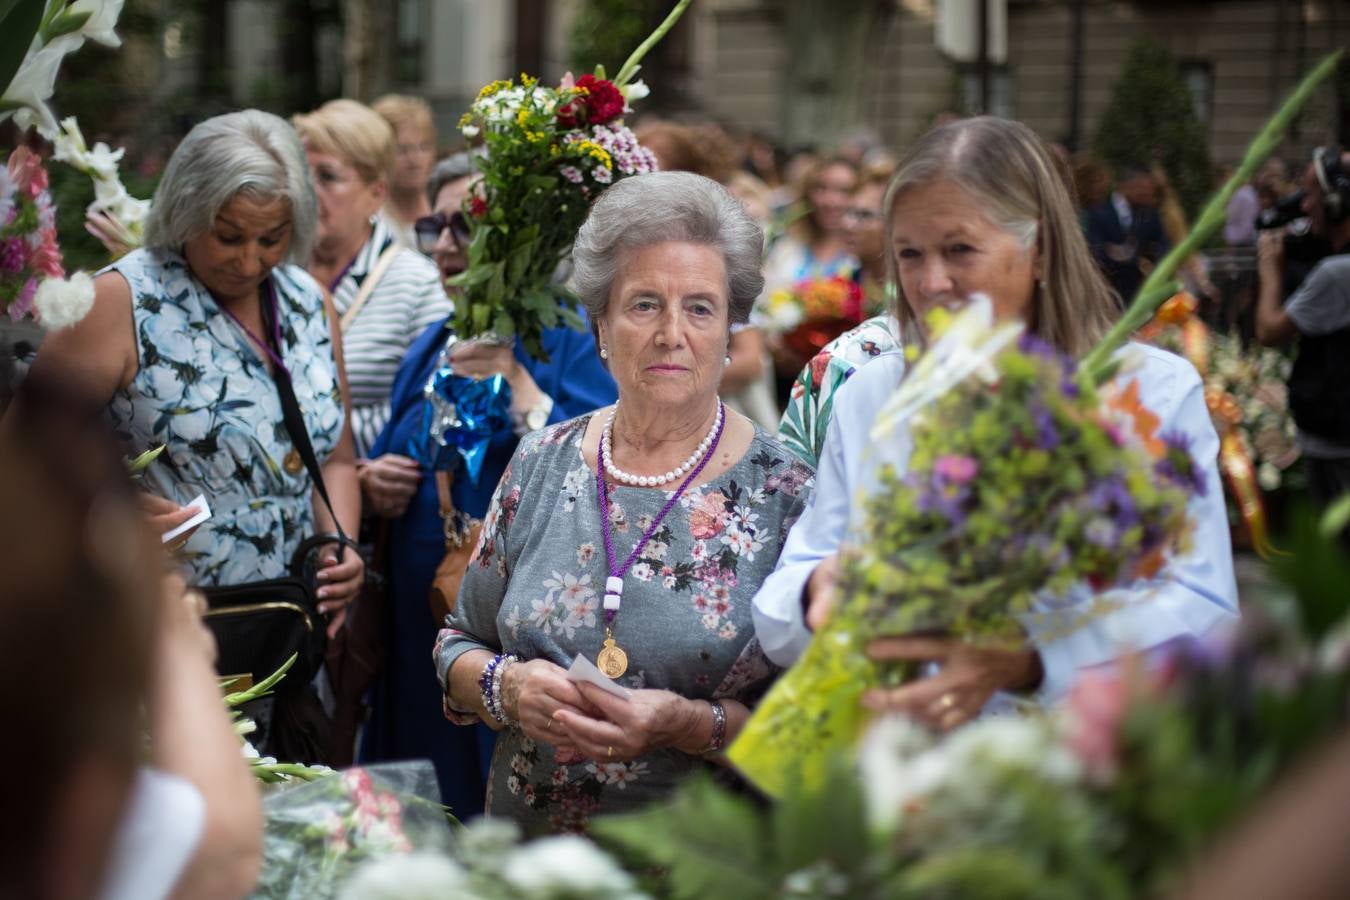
x=604, y=354
x=727, y=361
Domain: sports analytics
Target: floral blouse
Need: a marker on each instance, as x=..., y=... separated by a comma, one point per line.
x=202, y=390
x=534, y=589
x=806, y=418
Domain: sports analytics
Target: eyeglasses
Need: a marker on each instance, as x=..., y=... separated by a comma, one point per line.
x=428, y=230
x=862, y=215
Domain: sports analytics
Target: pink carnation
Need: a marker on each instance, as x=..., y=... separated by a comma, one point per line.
x=956, y=468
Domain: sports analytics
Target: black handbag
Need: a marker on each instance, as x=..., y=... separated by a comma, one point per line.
x=258, y=625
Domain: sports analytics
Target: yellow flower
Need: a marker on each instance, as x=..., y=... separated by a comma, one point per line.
x=595, y=151
x=465, y=120
x=492, y=88
x=528, y=81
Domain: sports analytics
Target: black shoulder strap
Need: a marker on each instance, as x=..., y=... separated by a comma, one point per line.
x=291, y=415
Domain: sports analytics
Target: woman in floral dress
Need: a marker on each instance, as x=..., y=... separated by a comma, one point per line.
x=649, y=569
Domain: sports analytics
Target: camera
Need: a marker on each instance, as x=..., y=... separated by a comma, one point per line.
x=1286, y=212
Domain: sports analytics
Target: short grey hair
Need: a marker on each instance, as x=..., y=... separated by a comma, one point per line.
x=668, y=206
x=452, y=168
x=253, y=153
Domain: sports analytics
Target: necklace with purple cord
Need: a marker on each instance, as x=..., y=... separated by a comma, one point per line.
x=611, y=659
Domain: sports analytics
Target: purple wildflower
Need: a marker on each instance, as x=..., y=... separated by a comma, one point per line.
x=1178, y=465
x=1047, y=432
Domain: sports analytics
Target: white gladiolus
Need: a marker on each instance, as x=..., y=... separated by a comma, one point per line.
x=62, y=302
x=635, y=90
x=102, y=19
x=126, y=213
x=32, y=87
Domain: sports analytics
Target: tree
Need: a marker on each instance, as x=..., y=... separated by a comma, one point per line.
x=1151, y=117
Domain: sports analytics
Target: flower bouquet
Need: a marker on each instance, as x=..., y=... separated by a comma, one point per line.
x=814, y=312
x=1011, y=478
x=1248, y=402
x=316, y=834
x=1011, y=481
x=32, y=279
x=550, y=152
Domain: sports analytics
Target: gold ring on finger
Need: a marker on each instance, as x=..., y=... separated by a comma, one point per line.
x=947, y=701
x=609, y=752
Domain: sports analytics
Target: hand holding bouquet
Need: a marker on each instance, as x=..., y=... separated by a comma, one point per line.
x=1010, y=481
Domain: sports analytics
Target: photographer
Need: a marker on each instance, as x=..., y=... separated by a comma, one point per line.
x=1318, y=313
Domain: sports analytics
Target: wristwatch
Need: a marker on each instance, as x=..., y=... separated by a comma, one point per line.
x=536, y=417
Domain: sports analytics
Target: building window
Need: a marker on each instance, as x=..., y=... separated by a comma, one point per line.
x=413, y=23
x=1000, y=91
x=1199, y=77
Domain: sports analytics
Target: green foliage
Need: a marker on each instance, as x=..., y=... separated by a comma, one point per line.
x=1150, y=116
x=605, y=31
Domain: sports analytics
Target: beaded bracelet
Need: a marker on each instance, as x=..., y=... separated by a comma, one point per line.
x=490, y=684
x=719, y=731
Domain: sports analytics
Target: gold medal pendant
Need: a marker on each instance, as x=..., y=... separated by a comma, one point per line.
x=293, y=463
x=611, y=660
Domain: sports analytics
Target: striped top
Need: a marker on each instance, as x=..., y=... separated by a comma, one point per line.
x=408, y=298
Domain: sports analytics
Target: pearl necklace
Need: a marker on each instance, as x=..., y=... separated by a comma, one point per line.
x=619, y=475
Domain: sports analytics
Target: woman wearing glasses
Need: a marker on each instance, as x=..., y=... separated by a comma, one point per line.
x=406, y=722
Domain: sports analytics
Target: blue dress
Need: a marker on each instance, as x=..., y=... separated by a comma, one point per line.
x=406, y=722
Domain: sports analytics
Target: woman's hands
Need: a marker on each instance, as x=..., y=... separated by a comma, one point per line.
x=165, y=516
x=483, y=359
x=968, y=677
x=820, y=591
x=388, y=483
x=340, y=579
x=533, y=692
x=627, y=728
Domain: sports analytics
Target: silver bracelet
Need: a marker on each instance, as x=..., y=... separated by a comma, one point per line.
x=719, y=731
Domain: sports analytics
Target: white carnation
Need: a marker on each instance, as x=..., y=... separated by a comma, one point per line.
x=62, y=302
x=416, y=876
x=566, y=866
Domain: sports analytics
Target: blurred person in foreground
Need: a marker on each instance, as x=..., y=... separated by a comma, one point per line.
x=1317, y=315
x=414, y=155
x=423, y=507
x=806, y=418
x=979, y=207
x=101, y=649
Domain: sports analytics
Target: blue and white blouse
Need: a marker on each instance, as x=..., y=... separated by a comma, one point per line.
x=203, y=391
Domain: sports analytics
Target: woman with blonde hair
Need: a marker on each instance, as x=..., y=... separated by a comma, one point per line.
x=385, y=293
x=414, y=155
x=977, y=207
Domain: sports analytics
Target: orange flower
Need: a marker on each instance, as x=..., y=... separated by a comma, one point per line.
x=1177, y=310
x=1145, y=422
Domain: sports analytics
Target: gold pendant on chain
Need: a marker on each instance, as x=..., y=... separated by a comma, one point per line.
x=611, y=660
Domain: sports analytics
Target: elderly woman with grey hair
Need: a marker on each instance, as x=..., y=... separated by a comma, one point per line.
x=186, y=338
x=633, y=537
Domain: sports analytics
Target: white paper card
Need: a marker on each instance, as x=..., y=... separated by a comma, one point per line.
x=203, y=513
x=584, y=670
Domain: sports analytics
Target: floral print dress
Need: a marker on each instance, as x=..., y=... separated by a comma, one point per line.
x=535, y=585
x=203, y=391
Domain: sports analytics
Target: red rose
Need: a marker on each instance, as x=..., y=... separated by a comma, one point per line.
x=478, y=207
x=601, y=102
